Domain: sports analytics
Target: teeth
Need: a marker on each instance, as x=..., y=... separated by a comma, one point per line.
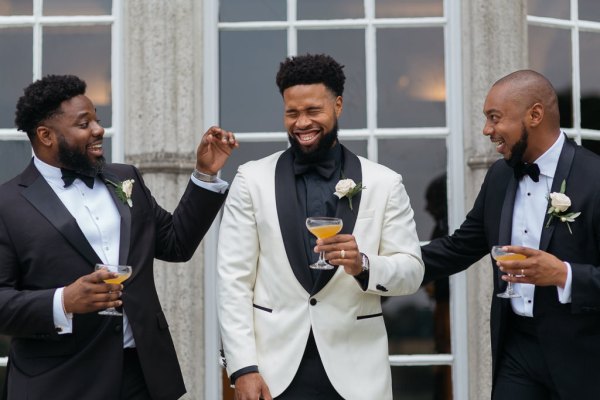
x=306, y=138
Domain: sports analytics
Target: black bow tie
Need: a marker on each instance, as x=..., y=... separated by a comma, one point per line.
x=523, y=169
x=68, y=176
x=325, y=168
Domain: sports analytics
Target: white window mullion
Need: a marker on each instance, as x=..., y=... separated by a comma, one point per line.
x=576, y=99
x=371, y=70
x=37, y=40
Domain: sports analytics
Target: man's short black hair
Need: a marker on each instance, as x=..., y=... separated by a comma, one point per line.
x=311, y=68
x=41, y=100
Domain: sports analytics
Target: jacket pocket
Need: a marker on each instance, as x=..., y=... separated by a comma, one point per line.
x=269, y=310
x=369, y=316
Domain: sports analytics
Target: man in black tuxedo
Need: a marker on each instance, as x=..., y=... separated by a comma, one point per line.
x=545, y=342
x=69, y=210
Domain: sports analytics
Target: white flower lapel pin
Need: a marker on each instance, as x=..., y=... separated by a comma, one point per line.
x=348, y=188
x=558, y=204
x=123, y=190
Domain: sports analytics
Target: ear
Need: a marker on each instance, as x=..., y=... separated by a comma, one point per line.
x=339, y=106
x=535, y=115
x=45, y=136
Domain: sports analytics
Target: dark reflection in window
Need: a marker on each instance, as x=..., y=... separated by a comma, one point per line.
x=250, y=100
x=589, y=10
x=330, y=9
x=16, y=7
x=252, y=10
x=590, y=79
x=419, y=383
x=411, y=86
x=77, y=7
x=347, y=46
x=550, y=8
x=249, y=151
x=408, y=8
x=593, y=145
x=66, y=50
x=14, y=156
x=358, y=147
x=15, y=71
x=550, y=54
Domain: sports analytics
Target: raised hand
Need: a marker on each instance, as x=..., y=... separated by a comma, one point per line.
x=214, y=149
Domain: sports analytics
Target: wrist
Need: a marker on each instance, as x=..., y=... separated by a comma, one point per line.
x=204, y=177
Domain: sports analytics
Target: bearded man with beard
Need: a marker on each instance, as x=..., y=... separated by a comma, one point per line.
x=289, y=331
x=68, y=211
x=543, y=202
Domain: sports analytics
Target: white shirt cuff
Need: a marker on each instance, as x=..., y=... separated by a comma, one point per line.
x=218, y=186
x=564, y=295
x=62, y=321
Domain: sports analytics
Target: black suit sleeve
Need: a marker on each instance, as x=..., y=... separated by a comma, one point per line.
x=451, y=254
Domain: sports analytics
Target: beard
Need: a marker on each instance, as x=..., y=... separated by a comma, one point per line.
x=76, y=160
x=518, y=149
x=309, y=156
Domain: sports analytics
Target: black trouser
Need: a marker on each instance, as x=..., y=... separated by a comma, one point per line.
x=523, y=373
x=311, y=381
x=133, y=385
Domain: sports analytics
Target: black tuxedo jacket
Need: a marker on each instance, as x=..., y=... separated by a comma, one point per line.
x=568, y=333
x=42, y=248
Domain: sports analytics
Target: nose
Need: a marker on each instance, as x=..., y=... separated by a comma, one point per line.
x=487, y=129
x=97, y=129
x=303, y=121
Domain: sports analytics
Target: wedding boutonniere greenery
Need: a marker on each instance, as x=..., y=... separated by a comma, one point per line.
x=123, y=190
x=558, y=204
x=348, y=188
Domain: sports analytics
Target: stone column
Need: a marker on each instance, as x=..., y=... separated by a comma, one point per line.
x=494, y=43
x=163, y=125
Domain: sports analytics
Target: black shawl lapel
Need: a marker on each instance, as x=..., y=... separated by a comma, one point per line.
x=43, y=198
x=125, y=213
x=506, y=217
x=289, y=222
x=562, y=172
x=352, y=170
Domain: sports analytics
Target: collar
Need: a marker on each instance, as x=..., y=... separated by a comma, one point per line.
x=50, y=173
x=548, y=161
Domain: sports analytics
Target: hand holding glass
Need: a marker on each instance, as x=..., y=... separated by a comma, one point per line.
x=500, y=255
x=124, y=272
x=323, y=227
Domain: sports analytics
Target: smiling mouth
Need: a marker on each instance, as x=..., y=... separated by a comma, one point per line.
x=499, y=143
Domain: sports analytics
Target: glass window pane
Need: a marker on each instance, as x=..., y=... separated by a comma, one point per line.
x=16, y=7
x=593, y=145
x=422, y=383
x=330, y=9
x=252, y=10
x=411, y=86
x=550, y=8
x=14, y=156
x=16, y=71
x=77, y=7
x=590, y=79
x=346, y=46
x=589, y=10
x=249, y=151
x=85, y=52
x=550, y=54
x=107, y=146
x=249, y=98
x=358, y=147
x=408, y=8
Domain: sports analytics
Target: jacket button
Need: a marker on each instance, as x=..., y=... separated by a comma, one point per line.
x=313, y=302
x=118, y=328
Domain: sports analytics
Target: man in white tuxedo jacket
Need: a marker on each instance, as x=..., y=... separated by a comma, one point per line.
x=289, y=331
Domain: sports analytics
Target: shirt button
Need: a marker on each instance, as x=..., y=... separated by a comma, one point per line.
x=313, y=302
x=529, y=301
x=525, y=230
x=528, y=194
x=106, y=248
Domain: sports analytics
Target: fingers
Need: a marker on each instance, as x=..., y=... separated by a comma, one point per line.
x=214, y=134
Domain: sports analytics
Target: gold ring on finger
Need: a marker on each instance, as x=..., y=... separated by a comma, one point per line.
x=342, y=253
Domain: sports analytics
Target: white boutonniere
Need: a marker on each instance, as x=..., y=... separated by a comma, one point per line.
x=123, y=190
x=348, y=188
x=558, y=204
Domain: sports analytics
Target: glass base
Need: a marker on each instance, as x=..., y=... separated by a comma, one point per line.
x=508, y=295
x=110, y=311
x=321, y=265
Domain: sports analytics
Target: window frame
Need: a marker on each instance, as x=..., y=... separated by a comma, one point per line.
x=452, y=133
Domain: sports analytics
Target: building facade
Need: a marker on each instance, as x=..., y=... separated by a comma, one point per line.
x=161, y=72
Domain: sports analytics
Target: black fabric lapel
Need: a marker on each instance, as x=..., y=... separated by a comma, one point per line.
x=351, y=170
x=506, y=217
x=43, y=198
x=562, y=172
x=291, y=226
x=125, y=213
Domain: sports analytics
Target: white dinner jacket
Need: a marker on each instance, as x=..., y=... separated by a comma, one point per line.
x=266, y=312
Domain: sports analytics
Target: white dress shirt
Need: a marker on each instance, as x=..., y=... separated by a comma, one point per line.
x=98, y=218
x=531, y=204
